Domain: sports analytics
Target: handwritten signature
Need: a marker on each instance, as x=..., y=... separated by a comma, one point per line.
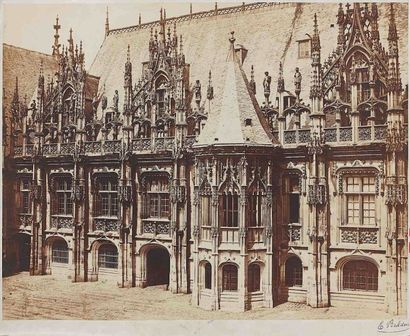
x=393, y=326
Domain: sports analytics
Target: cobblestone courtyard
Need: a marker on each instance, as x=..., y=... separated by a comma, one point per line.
x=48, y=297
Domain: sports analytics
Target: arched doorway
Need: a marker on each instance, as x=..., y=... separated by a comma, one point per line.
x=24, y=249
x=157, y=267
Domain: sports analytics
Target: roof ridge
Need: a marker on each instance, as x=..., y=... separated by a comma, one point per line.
x=202, y=14
x=30, y=50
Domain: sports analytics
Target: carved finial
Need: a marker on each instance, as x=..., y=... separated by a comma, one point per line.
x=252, y=81
x=197, y=92
x=392, y=25
x=216, y=8
x=281, y=80
x=180, y=44
x=190, y=9
x=139, y=19
x=298, y=82
x=128, y=53
x=232, y=38
x=266, y=87
x=210, y=90
x=56, y=46
x=107, y=23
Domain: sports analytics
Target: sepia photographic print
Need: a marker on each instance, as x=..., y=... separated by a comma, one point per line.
x=205, y=161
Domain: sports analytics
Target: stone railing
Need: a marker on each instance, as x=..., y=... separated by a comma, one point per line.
x=294, y=231
x=29, y=150
x=299, y=136
x=161, y=144
x=155, y=227
x=190, y=141
x=62, y=222
x=359, y=235
x=200, y=15
x=106, y=224
x=112, y=146
x=67, y=148
x=18, y=150
x=92, y=147
x=141, y=144
x=25, y=220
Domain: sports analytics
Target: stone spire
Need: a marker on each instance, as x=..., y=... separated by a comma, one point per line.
x=252, y=83
x=107, y=23
x=236, y=118
x=71, y=43
x=281, y=80
x=128, y=81
x=56, y=46
x=316, y=81
x=394, y=81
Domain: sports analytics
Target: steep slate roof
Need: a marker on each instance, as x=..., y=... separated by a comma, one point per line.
x=24, y=64
x=226, y=122
x=268, y=31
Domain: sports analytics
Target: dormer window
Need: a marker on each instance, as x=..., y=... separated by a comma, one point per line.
x=304, y=49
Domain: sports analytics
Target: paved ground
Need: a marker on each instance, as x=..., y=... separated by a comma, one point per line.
x=47, y=297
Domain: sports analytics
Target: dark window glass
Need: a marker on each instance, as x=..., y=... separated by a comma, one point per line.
x=360, y=275
x=254, y=278
x=293, y=272
x=108, y=256
x=229, y=213
x=64, y=204
x=230, y=278
x=59, y=252
x=107, y=202
x=208, y=275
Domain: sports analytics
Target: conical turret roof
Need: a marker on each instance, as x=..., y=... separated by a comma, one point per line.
x=237, y=120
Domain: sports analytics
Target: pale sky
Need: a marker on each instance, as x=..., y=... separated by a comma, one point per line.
x=30, y=25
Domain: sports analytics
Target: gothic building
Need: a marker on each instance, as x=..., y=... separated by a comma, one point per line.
x=206, y=175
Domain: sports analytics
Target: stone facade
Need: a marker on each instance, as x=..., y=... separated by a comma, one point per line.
x=214, y=189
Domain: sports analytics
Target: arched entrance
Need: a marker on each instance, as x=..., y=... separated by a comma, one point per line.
x=157, y=267
x=24, y=249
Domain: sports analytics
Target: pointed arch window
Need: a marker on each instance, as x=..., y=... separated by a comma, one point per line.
x=229, y=209
x=205, y=205
x=255, y=206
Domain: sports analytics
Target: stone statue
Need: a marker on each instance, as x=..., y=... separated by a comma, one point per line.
x=115, y=100
x=197, y=91
x=298, y=81
x=95, y=103
x=266, y=84
x=104, y=102
x=72, y=102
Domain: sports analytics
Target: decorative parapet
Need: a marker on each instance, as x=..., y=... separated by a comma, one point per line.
x=317, y=191
x=67, y=148
x=25, y=220
x=294, y=231
x=156, y=228
x=106, y=224
x=59, y=222
x=299, y=136
x=141, y=144
x=359, y=235
x=199, y=15
x=189, y=141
